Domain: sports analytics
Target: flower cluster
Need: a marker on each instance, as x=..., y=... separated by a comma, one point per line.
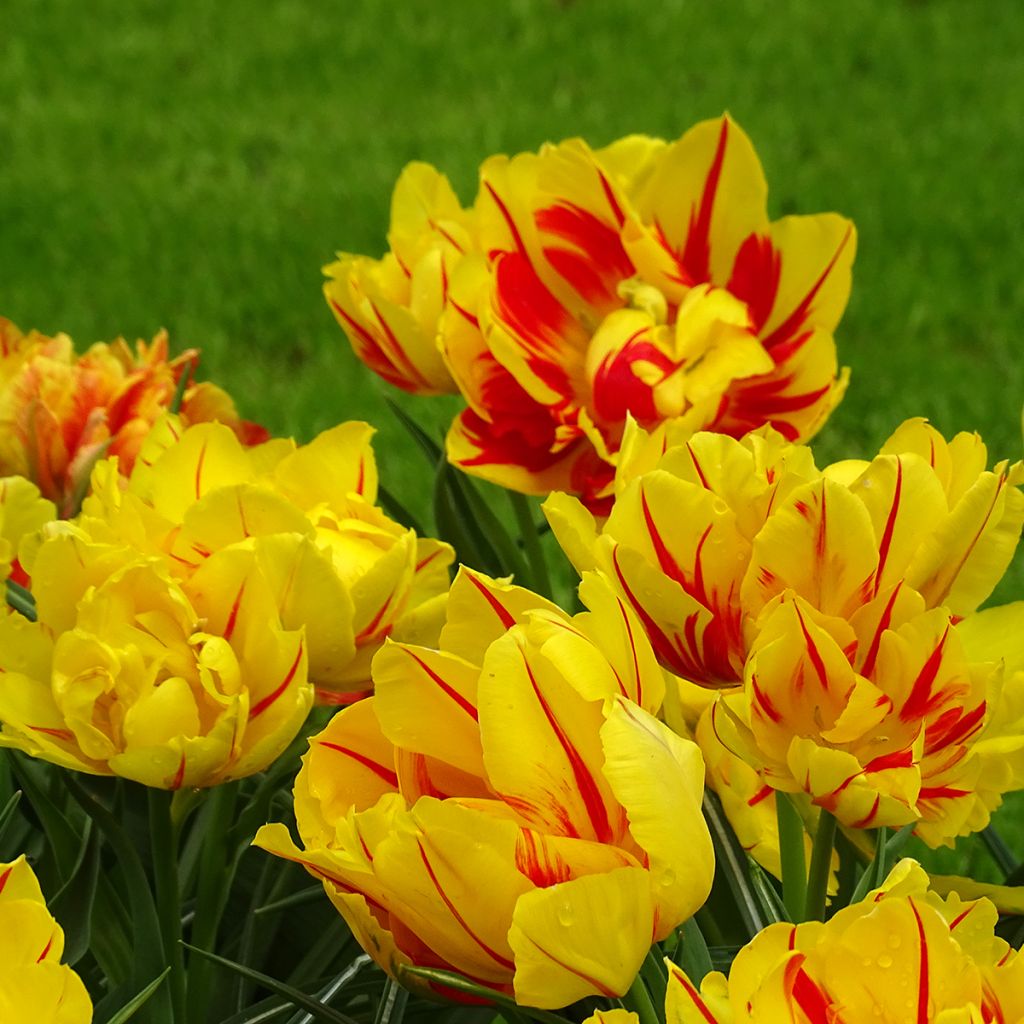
x=586, y=287
x=833, y=609
x=60, y=411
x=185, y=615
x=34, y=984
x=506, y=805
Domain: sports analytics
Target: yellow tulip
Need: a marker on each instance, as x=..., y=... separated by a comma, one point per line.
x=389, y=308
x=506, y=804
x=23, y=511
x=902, y=954
x=34, y=985
x=130, y=672
x=340, y=567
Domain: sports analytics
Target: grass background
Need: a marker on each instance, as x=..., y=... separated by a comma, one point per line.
x=192, y=165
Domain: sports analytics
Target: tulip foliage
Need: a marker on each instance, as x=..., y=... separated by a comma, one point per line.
x=271, y=752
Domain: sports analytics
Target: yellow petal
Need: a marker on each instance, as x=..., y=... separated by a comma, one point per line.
x=581, y=938
x=659, y=778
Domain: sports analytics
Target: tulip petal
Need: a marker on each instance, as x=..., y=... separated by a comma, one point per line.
x=581, y=938
x=659, y=778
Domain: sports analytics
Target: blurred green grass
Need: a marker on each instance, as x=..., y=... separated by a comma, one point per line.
x=193, y=164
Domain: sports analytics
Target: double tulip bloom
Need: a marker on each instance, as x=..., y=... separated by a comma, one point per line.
x=587, y=287
x=61, y=411
x=185, y=616
x=834, y=610
x=506, y=806
x=902, y=954
x=34, y=985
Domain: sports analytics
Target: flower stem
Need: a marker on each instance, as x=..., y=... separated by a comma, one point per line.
x=540, y=582
x=215, y=873
x=794, y=865
x=638, y=999
x=821, y=865
x=164, y=853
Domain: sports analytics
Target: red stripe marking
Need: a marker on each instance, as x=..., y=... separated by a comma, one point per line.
x=495, y=956
x=506, y=617
x=374, y=766
x=883, y=625
x=374, y=623
x=46, y=949
x=890, y=525
x=697, y=467
x=262, y=705
x=426, y=561
x=632, y=647
x=57, y=734
x=516, y=237
x=585, y=781
x=199, y=471
x=697, y=252
x=447, y=689
x=179, y=775
x=397, y=352
x=922, y=981
x=691, y=991
x=596, y=985
x=809, y=997
x=762, y=794
x=229, y=628
x=800, y=314
x=4, y=877
x=956, y=920
x=812, y=650
x=921, y=692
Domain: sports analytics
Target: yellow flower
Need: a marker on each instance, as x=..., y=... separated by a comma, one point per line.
x=60, y=411
x=645, y=281
x=132, y=673
x=827, y=606
x=34, y=985
x=389, y=308
x=507, y=805
x=341, y=569
x=22, y=512
x=902, y=954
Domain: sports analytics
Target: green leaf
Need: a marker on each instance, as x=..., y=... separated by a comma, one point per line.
x=7, y=814
x=693, y=955
x=137, y=1002
x=320, y=1011
x=430, y=448
x=398, y=511
x=73, y=905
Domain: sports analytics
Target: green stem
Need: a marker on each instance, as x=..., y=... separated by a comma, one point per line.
x=791, y=847
x=211, y=895
x=164, y=853
x=541, y=581
x=21, y=600
x=654, y=975
x=638, y=999
x=821, y=866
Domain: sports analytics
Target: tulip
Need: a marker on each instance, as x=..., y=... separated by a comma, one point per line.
x=130, y=672
x=22, y=512
x=60, y=411
x=506, y=806
x=389, y=308
x=901, y=954
x=640, y=281
x=341, y=568
x=34, y=985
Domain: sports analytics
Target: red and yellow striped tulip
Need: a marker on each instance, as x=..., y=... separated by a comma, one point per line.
x=389, y=308
x=34, y=985
x=341, y=569
x=903, y=954
x=704, y=539
x=642, y=280
x=130, y=672
x=506, y=805
x=59, y=411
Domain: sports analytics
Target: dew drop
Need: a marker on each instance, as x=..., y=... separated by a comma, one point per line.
x=885, y=961
x=564, y=915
